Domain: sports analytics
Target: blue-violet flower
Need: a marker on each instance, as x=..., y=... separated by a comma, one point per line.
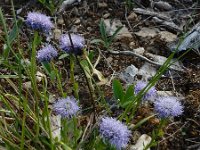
x=115, y=132
x=66, y=107
x=168, y=107
x=38, y=21
x=77, y=40
x=46, y=53
x=151, y=93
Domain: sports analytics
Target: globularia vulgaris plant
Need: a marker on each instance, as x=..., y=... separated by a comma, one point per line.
x=38, y=111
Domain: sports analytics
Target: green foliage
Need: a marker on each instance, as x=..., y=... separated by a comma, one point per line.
x=124, y=97
x=130, y=4
x=106, y=40
x=51, y=5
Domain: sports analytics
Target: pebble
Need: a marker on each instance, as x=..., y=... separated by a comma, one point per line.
x=106, y=15
x=57, y=33
x=102, y=5
x=132, y=16
x=78, y=21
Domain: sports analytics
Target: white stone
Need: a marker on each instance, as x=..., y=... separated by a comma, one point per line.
x=129, y=74
x=147, y=71
x=142, y=142
x=139, y=50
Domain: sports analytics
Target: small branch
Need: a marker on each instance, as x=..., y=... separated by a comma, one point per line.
x=151, y=13
x=130, y=53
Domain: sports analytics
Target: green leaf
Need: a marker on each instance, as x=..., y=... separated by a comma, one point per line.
x=103, y=31
x=118, y=90
x=96, y=41
x=143, y=121
x=91, y=55
x=86, y=68
x=8, y=76
x=129, y=95
x=63, y=56
x=15, y=31
x=47, y=67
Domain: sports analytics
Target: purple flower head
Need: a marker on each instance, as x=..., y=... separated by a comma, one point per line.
x=46, y=53
x=66, y=107
x=151, y=93
x=115, y=132
x=38, y=21
x=168, y=107
x=78, y=43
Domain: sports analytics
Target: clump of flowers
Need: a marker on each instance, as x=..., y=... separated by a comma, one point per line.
x=151, y=93
x=38, y=21
x=168, y=107
x=115, y=132
x=66, y=107
x=46, y=53
x=78, y=43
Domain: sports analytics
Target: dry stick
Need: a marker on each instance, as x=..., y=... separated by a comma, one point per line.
x=141, y=57
x=151, y=13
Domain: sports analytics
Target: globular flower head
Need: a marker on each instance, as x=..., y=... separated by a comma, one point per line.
x=77, y=40
x=168, y=107
x=151, y=93
x=66, y=107
x=46, y=53
x=38, y=21
x=115, y=132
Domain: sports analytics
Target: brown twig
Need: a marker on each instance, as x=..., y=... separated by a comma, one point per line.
x=130, y=53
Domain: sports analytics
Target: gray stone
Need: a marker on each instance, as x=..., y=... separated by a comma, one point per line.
x=113, y=25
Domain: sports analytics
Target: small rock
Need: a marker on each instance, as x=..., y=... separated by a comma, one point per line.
x=132, y=16
x=131, y=45
x=139, y=50
x=147, y=71
x=165, y=93
x=177, y=65
x=109, y=59
x=163, y=5
x=113, y=25
x=116, y=62
x=26, y=62
x=27, y=85
x=136, y=135
x=129, y=74
x=147, y=32
x=60, y=21
x=106, y=15
x=102, y=5
x=142, y=142
x=57, y=33
x=67, y=3
x=40, y=76
x=51, y=98
x=167, y=36
x=77, y=21
x=89, y=28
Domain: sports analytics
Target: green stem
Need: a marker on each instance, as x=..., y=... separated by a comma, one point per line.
x=59, y=85
x=33, y=80
x=72, y=79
